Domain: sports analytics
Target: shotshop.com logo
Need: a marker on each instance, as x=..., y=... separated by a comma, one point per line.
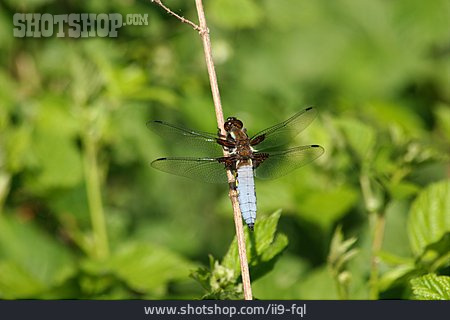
x=73, y=25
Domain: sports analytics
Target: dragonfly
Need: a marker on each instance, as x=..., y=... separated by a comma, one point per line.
x=263, y=155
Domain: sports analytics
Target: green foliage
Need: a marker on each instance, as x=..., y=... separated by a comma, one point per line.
x=326, y=207
x=429, y=237
x=340, y=253
x=360, y=137
x=236, y=14
x=431, y=287
x=32, y=261
x=263, y=248
x=429, y=219
x=219, y=281
x=83, y=215
x=143, y=268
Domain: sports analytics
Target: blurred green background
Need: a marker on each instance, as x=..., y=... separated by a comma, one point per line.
x=83, y=215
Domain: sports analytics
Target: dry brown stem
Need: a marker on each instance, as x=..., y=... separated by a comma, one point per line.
x=204, y=34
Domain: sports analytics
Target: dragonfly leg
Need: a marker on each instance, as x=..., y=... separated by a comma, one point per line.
x=226, y=143
x=257, y=140
x=232, y=185
x=258, y=158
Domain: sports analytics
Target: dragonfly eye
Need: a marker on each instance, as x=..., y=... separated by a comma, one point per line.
x=232, y=121
x=238, y=123
x=227, y=125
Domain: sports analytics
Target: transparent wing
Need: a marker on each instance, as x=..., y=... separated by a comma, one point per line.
x=208, y=170
x=193, y=140
x=285, y=131
x=282, y=162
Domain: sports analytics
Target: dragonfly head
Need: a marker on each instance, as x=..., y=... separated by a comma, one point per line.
x=232, y=122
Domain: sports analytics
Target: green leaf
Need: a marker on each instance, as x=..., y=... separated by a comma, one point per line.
x=15, y=282
x=18, y=143
x=218, y=281
x=60, y=162
x=145, y=267
x=340, y=252
x=326, y=207
x=35, y=256
x=395, y=241
x=393, y=259
x=431, y=287
x=360, y=137
x=396, y=275
x=403, y=189
x=263, y=247
x=429, y=218
x=54, y=147
x=437, y=254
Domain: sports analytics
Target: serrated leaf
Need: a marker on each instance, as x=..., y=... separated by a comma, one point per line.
x=429, y=218
x=263, y=247
x=263, y=236
x=218, y=281
x=431, y=287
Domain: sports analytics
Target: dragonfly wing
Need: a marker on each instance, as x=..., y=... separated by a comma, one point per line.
x=193, y=140
x=280, y=163
x=208, y=170
x=285, y=131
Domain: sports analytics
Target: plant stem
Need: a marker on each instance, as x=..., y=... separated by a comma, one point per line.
x=101, y=246
x=246, y=284
x=5, y=180
x=342, y=290
x=204, y=33
x=378, y=221
x=182, y=19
